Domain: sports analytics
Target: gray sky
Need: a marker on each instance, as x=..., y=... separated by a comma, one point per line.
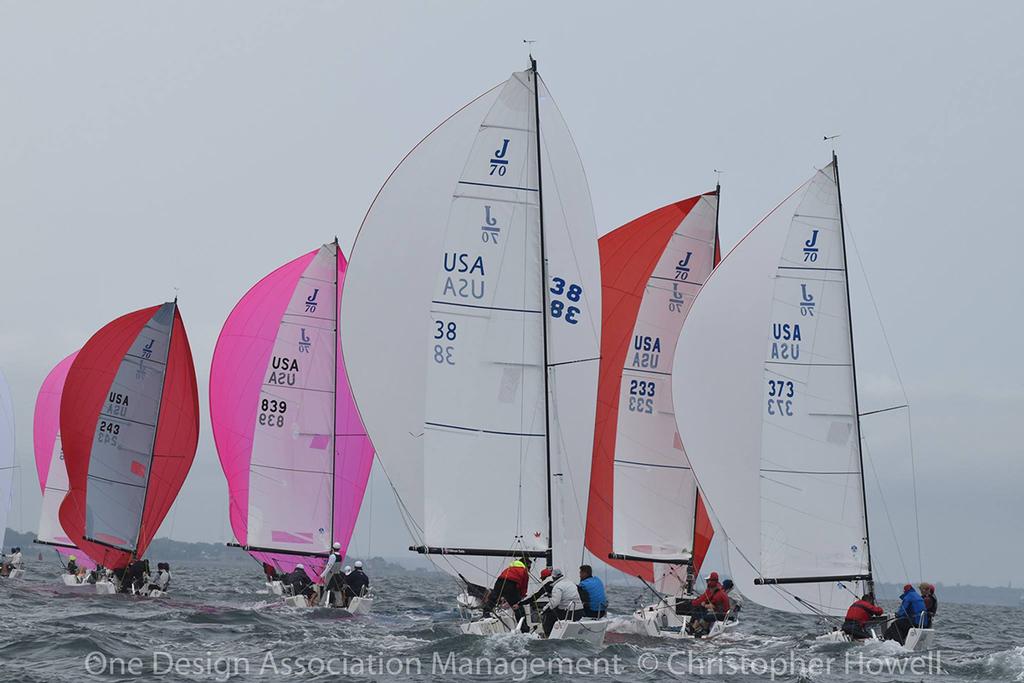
x=194, y=145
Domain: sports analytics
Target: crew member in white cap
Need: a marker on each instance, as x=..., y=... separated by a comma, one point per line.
x=357, y=583
x=331, y=576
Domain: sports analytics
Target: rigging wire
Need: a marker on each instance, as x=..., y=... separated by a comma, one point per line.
x=906, y=400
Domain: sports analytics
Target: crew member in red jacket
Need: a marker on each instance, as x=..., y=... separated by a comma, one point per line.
x=858, y=616
x=711, y=606
x=512, y=584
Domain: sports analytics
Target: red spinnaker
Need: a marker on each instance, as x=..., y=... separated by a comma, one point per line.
x=177, y=433
x=629, y=256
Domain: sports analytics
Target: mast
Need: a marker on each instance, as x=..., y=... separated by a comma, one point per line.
x=152, y=446
x=545, y=306
x=853, y=367
x=334, y=416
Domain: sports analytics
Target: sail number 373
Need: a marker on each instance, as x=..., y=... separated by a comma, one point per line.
x=780, y=397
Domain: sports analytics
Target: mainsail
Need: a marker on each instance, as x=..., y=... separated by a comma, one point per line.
x=768, y=418
x=472, y=311
x=6, y=454
x=53, y=475
x=646, y=515
x=129, y=424
x=290, y=441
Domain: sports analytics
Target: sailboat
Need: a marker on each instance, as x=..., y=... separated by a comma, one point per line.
x=769, y=417
x=129, y=426
x=53, y=475
x=290, y=440
x=6, y=462
x=646, y=516
x=472, y=308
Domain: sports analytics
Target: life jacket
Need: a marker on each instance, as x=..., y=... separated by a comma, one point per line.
x=862, y=610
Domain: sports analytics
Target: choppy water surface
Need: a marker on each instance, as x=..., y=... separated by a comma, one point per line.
x=221, y=620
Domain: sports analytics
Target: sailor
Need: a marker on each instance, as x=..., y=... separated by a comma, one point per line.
x=859, y=614
x=331, y=576
x=909, y=615
x=346, y=591
x=595, y=602
x=299, y=582
x=162, y=581
x=133, y=577
x=358, y=582
x=270, y=573
x=544, y=591
x=15, y=561
x=931, y=603
x=512, y=584
x=735, y=603
x=565, y=602
x=72, y=565
x=712, y=605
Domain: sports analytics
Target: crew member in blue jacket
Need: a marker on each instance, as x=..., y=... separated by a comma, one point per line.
x=595, y=602
x=909, y=615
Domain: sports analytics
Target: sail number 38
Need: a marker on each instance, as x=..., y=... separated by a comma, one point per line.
x=561, y=309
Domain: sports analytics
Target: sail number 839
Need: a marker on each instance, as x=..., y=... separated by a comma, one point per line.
x=272, y=412
x=780, y=397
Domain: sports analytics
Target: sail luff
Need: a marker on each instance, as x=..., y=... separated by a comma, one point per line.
x=544, y=307
x=870, y=582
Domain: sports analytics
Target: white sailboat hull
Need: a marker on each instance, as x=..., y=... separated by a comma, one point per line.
x=503, y=621
x=918, y=639
x=15, y=574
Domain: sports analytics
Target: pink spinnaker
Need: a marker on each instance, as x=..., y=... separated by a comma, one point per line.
x=279, y=398
x=45, y=433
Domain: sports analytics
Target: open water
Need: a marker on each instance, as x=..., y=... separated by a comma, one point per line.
x=220, y=624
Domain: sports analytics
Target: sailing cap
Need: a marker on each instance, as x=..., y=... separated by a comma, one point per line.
x=299, y=566
x=556, y=573
x=907, y=587
x=713, y=576
x=359, y=564
x=348, y=569
x=337, y=546
x=72, y=558
x=545, y=573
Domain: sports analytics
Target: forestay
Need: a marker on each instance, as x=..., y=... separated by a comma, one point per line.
x=768, y=417
x=644, y=501
x=448, y=364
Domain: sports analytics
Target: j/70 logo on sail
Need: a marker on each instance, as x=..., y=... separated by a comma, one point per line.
x=810, y=247
x=311, y=301
x=683, y=267
x=304, y=342
x=489, y=230
x=499, y=164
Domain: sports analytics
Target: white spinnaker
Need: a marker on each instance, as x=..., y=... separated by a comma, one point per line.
x=56, y=487
x=768, y=417
x=6, y=454
x=462, y=439
x=386, y=305
x=655, y=492
x=291, y=476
